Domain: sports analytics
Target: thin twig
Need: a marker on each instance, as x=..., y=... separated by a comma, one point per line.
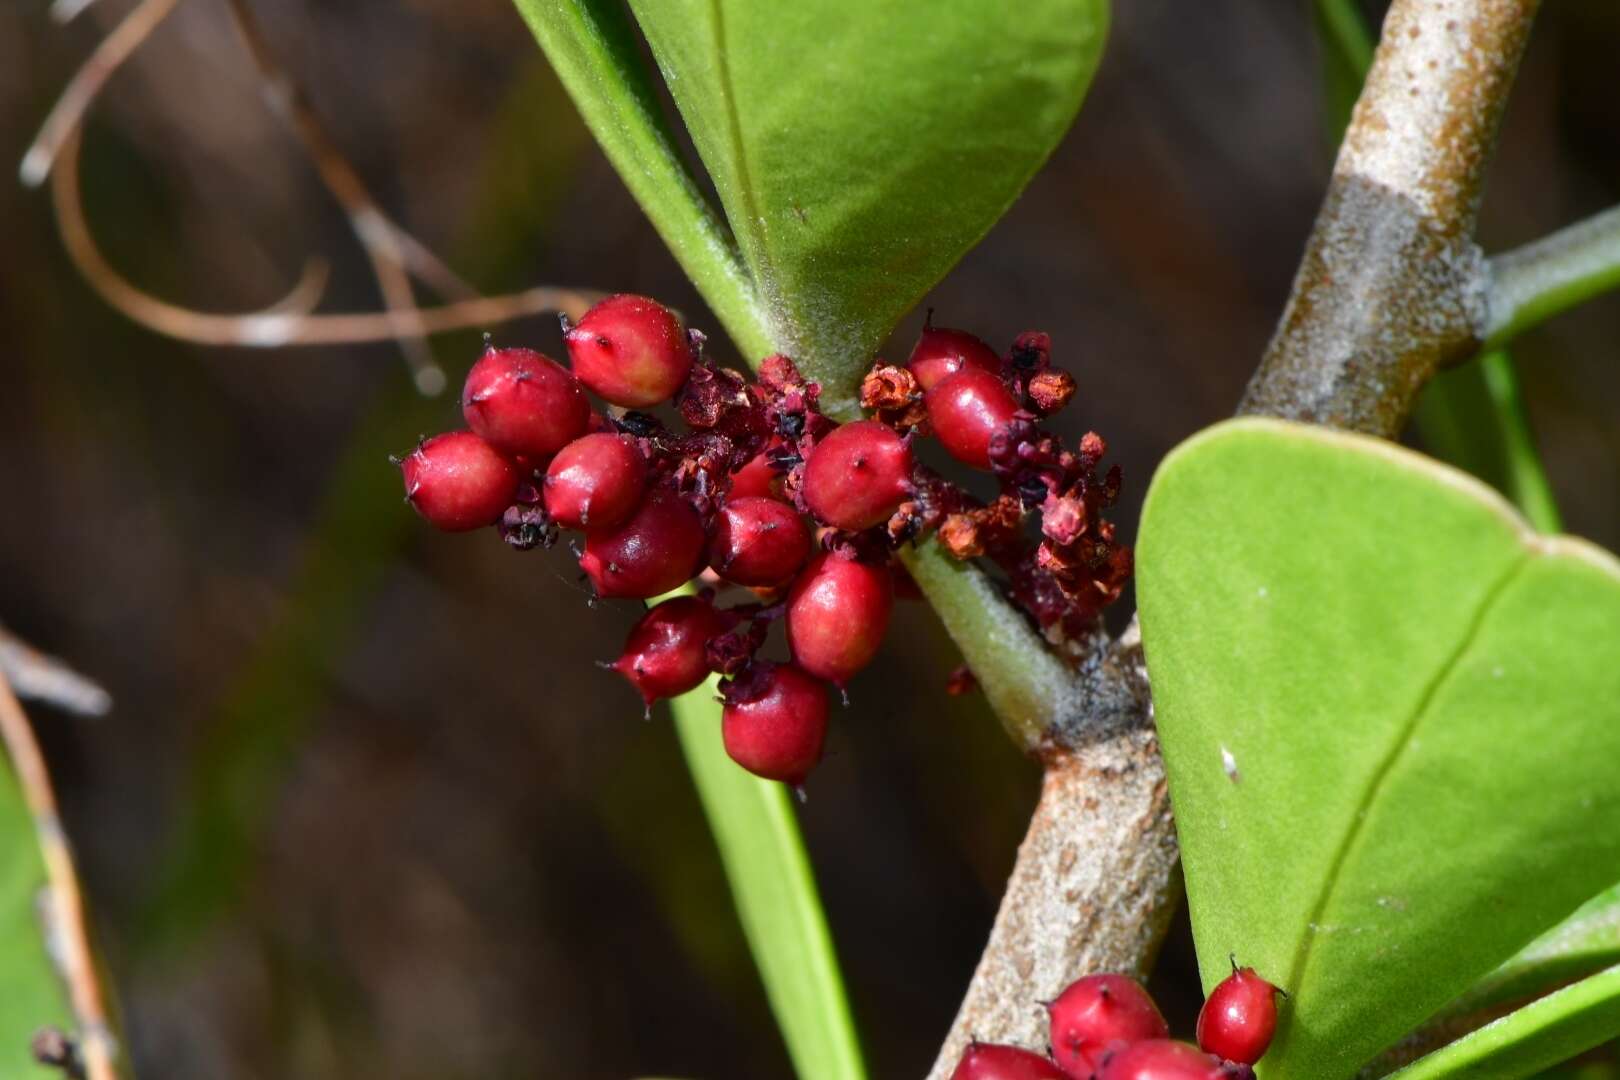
x=1530, y=285
x=38, y=677
x=377, y=234
x=68, y=114
x=63, y=905
x=273, y=327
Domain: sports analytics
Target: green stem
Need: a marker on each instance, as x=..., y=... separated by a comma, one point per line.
x=1532, y=284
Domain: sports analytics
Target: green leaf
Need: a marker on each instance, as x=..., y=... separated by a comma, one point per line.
x=32, y=994
x=592, y=47
x=1580, y=945
x=860, y=148
x=1388, y=711
x=1542, y=1034
x=775, y=892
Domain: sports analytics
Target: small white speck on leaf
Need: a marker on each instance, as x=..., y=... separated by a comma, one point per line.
x=1229, y=766
x=1496, y=672
x=1262, y=592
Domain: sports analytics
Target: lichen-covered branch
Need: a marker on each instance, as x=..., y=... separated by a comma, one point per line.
x=1392, y=285
x=1096, y=879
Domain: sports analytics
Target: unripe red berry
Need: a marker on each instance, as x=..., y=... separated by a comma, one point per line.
x=987, y=1061
x=837, y=615
x=1161, y=1059
x=857, y=475
x=663, y=656
x=775, y=721
x=1239, y=1018
x=631, y=350
x=525, y=403
x=659, y=547
x=758, y=542
x=595, y=481
x=458, y=481
x=757, y=478
x=966, y=409
x=1098, y=1013
x=941, y=351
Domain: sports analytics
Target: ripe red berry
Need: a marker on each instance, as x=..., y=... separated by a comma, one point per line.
x=987, y=1061
x=857, y=475
x=595, y=481
x=1239, y=1018
x=941, y=351
x=758, y=542
x=1098, y=1013
x=663, y=656
x=631, y=350
x=524, y=403
x=757, y=478
x=1161, y=1059
x=659, y=547
x=774, y=721
x=458, y=481
x=966, y=409
x=837, y=615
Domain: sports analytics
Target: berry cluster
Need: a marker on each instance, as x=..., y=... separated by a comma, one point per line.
x=772, y=502
x=1106, y=1027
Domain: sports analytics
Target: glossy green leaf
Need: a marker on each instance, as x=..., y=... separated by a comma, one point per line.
x=1521, y=1044
x=860, y=148
x=32, y=994
x=775, y=892
x=1389, y=716
x=1583, y=943
x=592, y=47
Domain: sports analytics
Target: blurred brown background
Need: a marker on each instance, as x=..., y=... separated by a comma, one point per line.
x=365, y=807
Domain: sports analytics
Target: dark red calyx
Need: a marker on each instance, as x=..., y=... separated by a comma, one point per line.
x=1161, y=1059
x=595, y=481
x=631, y=351
x=837, y=615
x=1239, y=1018
x=658, y=548
x=458, y=481
x=774, y=721
x=524, y=403
x=664, y=654
x=1099, y=1013
x=941, y=351
x=988, y=1061
x=857, y=475
x=966, y=410
x=758, y=542
x=758, y=477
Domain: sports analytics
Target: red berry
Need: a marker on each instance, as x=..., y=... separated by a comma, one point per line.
x=940, y=352
x=758, y=542
x=631, y=350
x=837, y=615
x=856, y=475
x=986, y=1061
x=757, y=478
x=1238, y=1020
x=525, y=403
x=595, y=481
x=658, y=548
x=966, y=409
x=1097, y=1013
x=458, y=481
x=663, y=656
x=1161, y=1059
x=774, y=721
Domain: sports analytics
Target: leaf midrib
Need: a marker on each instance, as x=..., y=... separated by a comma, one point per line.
x=748, y=203
x=1375, y=787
